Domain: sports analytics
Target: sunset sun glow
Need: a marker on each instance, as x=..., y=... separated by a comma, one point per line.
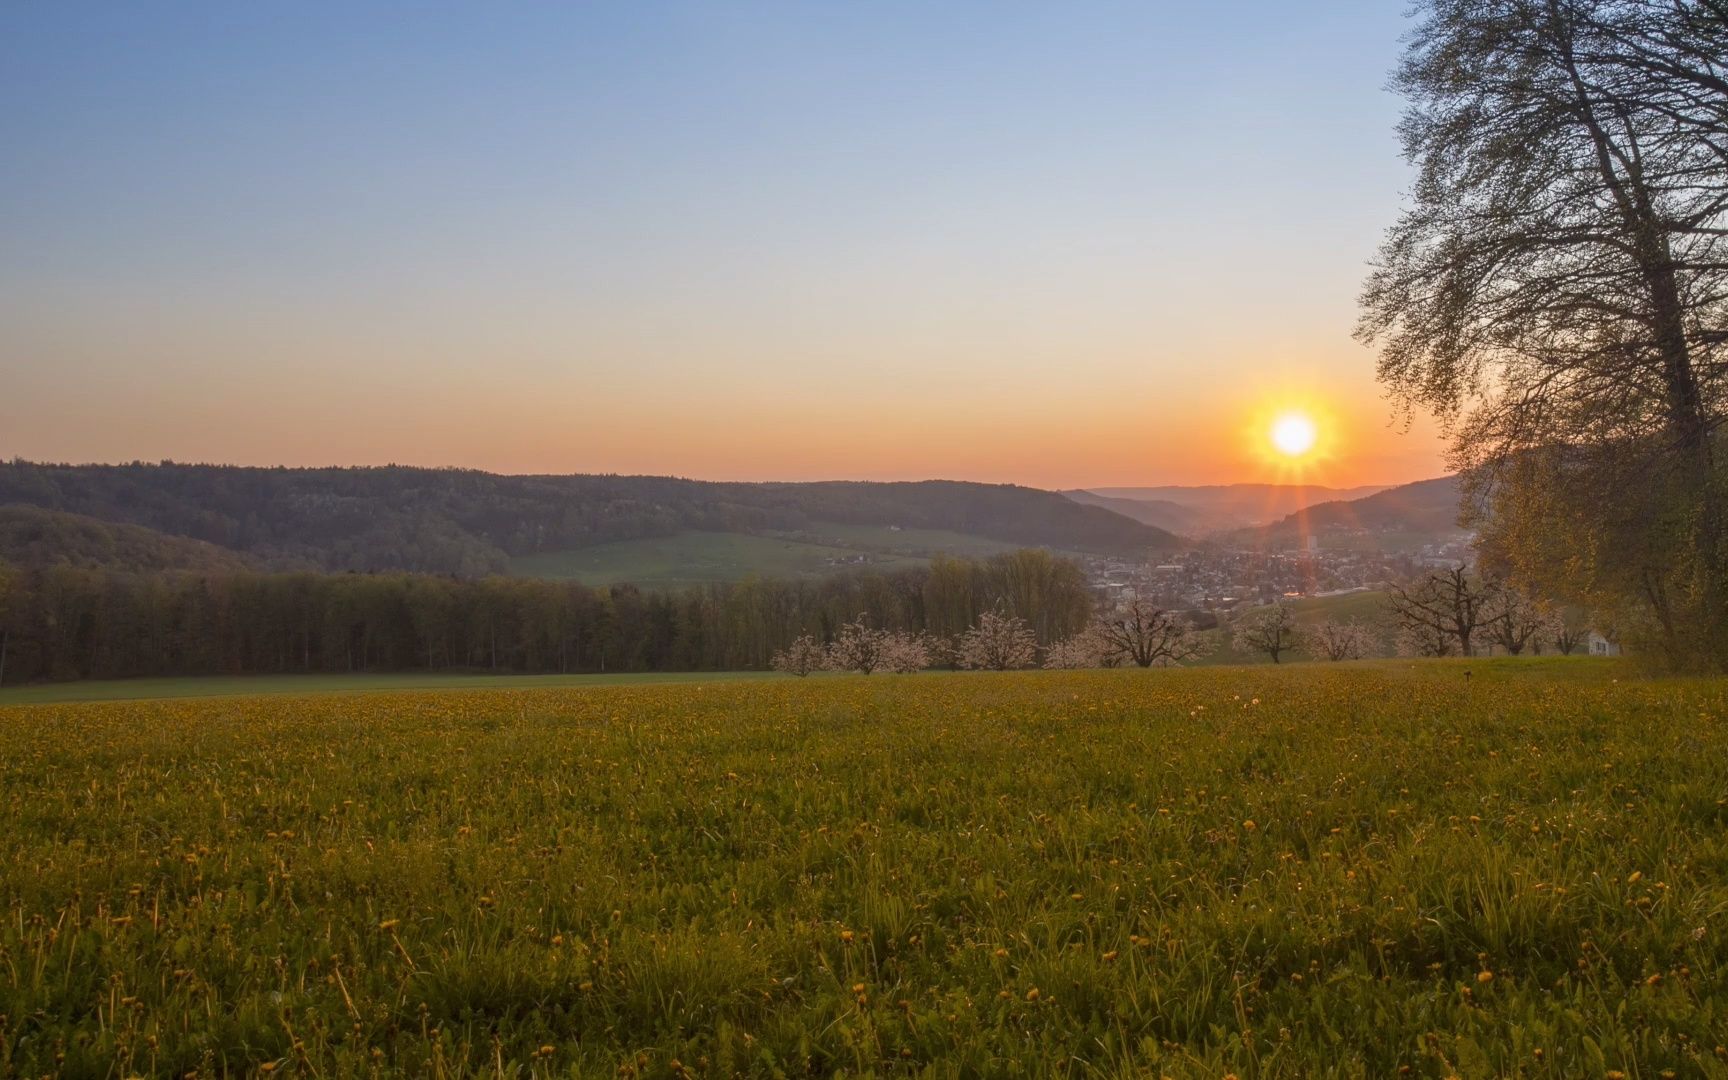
x=1293, y=434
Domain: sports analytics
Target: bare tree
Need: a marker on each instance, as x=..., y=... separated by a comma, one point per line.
x=1270, y=630
x=800, y=658
x=1449, y=602
x=998, y=643
x=1558, y=291
x=1515, y=621
x=1147, y=635
x=1338, y=640
x=1422, y=639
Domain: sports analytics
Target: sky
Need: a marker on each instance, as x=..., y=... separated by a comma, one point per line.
x=1065, y=245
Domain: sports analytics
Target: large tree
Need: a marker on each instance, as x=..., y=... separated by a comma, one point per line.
x=1516, y=622
x=1446, y=605
x=1145, y=635
x=1271, y=630
x=1558, y=291
x=1338, y=640
x=800, y=658
x=999, y=642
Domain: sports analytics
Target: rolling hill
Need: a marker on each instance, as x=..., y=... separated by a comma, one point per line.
x=697, y=558
x=33, y=538
x=1397, y=518
x=471, y=523
x=1197, y=511
x=1161, y=513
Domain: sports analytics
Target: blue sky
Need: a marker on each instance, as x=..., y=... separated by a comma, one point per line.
x=1059, y=244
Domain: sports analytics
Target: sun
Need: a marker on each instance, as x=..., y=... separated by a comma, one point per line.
x=1293, y=434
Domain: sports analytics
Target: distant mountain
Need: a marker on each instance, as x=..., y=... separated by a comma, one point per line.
x=1162, y=513
x=472, y=523
x=1216, y=508
x=1397, y=518
x=34, y=538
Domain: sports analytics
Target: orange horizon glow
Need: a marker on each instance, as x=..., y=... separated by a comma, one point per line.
x=1046, y=442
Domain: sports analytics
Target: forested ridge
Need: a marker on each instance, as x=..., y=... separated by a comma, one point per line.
x=69, y=622
x=469, y=523
x=34, y=537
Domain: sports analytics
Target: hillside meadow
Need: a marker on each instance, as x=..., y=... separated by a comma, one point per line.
x=696, y=558
x=1356, y=870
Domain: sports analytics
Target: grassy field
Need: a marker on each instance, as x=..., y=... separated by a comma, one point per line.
x=697, y=558
x=1360, y=870
x=252, y=685
x=912, y=542
x=1368, y=606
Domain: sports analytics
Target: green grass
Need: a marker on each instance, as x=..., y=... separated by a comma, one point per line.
x=699, y=558
x=1363, y=607
x=252, y=685
x=922, y=543
x=696, y=558
x=1325, y=870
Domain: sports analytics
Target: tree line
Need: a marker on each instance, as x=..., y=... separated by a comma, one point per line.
x=63, y=622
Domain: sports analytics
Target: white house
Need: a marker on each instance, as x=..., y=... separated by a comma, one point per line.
x=1602, y=646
